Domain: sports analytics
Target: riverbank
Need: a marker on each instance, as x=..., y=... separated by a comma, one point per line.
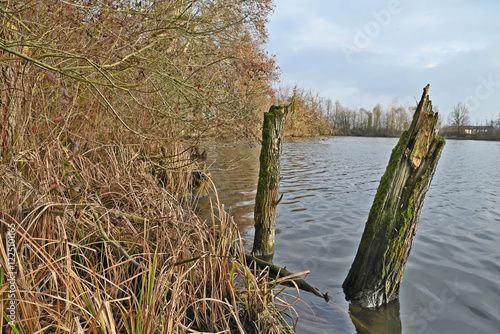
x=103, y=109
x=106, y=240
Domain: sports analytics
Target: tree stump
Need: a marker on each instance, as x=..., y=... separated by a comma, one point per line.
x=377, y=271
x=266, y=199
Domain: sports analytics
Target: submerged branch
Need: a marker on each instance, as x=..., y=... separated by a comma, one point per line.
x=286, y=277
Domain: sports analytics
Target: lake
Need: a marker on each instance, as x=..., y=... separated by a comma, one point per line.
x=452, y=279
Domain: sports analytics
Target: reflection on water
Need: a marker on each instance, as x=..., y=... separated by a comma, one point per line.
x=235, y=169
x=452, y=280
x=385, y=319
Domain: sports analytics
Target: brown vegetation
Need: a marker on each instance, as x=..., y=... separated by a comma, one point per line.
x=308, y=118
x=105, y=248
x=102, y=105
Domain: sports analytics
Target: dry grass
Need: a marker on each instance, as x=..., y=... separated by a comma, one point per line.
x=96, y=175
x=104, y=247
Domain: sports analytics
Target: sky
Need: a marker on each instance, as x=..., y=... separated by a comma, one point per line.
x=364, y=52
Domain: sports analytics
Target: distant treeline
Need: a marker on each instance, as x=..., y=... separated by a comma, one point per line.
x=316, y=115
x=391, y=121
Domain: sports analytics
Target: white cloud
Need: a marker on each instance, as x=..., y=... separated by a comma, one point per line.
x=448, y=44
x=317, y=33
x=434, y=54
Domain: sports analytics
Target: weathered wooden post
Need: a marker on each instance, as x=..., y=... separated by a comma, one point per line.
x=377, y=271
x=267, y=198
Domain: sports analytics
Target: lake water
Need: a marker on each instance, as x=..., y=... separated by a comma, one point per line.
x=452, y=279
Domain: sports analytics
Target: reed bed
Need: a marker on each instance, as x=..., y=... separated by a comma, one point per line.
x=103, y=245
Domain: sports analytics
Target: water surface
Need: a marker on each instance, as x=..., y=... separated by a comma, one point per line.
x=452, y=280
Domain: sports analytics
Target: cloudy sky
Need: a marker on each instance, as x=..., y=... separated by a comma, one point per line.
x=367, y=52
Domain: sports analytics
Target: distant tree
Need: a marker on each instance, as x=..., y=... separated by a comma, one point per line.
x=367, y=119
x=377, y=115
x=342, y=117
x=329, y=110
x=403, y=119
x=459, y=117
x=312, y=115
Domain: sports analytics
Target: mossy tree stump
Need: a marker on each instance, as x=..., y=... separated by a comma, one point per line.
x=377, y=271
x=267, y=197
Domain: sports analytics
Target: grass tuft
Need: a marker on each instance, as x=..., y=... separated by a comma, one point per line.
x=104, y=246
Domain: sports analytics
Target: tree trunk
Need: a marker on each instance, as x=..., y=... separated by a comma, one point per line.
x=377, y=271
x=266, y=200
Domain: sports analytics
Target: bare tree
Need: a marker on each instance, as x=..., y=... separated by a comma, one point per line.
x=329, y=109
x=377, y=115
x=159, y=69
x=459, y=117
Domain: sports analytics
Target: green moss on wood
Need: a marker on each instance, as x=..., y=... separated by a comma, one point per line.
x=392, y=222
x=266, y=199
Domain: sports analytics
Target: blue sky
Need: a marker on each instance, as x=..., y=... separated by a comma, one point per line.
x=367, y=52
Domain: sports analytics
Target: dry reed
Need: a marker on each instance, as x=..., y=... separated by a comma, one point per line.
x=104, y=247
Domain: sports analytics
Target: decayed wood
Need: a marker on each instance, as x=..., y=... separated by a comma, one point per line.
x=279, y=272
x=377, y=271
x=267, y=197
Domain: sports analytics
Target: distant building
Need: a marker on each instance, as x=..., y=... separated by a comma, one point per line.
x=474, y=130
x=467, y=131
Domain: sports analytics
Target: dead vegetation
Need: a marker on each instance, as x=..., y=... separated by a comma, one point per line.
x=103, y=247
x=103, y=104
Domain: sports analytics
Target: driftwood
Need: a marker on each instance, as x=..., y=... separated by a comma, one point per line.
x=279, y=272
x=266, y=199
x=377, y=271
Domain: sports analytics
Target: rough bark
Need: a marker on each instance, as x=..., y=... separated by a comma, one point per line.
x=377, y=271
x=266, y=199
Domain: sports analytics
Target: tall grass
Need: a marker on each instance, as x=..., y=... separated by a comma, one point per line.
x=96, y=173
x=103, y=246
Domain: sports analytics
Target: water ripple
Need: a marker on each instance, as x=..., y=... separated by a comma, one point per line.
x=452, y=280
